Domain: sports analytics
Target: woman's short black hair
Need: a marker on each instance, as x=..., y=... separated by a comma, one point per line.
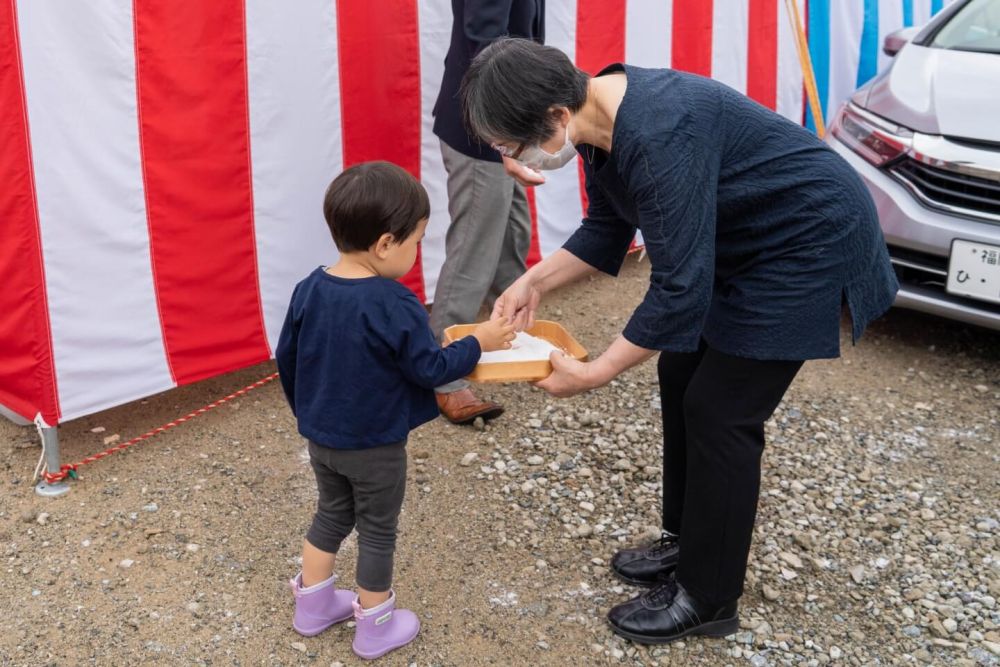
x=510, y=89
x=371, y=199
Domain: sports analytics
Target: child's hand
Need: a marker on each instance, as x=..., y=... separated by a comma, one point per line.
x=496, y=334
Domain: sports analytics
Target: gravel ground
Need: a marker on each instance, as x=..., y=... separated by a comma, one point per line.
x=877, y=536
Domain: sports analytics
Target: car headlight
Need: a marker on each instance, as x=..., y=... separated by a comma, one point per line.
x=874, y=138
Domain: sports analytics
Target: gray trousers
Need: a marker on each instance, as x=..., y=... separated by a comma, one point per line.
x=487, y=243
x=360, y=488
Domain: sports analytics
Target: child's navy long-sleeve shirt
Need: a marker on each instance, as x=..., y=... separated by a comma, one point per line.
x=359, y=363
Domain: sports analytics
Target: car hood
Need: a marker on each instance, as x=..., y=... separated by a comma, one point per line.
x=939, y=91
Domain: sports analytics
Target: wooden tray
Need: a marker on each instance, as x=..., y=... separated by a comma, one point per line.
x=521, y=371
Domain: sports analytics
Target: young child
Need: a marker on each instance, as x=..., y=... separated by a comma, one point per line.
x=359, y=364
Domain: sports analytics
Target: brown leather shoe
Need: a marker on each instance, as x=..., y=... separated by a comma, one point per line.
x=462, y=407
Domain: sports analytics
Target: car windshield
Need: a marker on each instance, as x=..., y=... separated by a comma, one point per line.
x=976, y=27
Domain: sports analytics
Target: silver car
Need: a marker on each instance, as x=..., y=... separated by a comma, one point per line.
x=925, y=136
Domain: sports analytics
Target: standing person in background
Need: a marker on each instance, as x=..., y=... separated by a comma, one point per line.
x=490, y=231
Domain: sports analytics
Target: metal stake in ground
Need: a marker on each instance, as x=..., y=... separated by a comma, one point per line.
x=50, y=452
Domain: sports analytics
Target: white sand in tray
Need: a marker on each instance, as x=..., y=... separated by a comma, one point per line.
x=525, y=348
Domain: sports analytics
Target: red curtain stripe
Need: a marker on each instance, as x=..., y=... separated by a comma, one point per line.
x=600, y=34
x=691, y=44
x=600, y=41
x=194, y=132
x=762, y=52
x=379, y=49
x=534, y=250
x=27, y=371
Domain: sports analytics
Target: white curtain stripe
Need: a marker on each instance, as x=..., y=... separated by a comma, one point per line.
x=295, y=144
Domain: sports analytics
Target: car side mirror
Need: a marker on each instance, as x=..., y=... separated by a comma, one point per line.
x=895, y=41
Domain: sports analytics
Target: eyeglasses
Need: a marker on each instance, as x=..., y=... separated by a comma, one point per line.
x=508, y=152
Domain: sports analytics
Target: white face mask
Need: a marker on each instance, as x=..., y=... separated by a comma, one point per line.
x=537, y=157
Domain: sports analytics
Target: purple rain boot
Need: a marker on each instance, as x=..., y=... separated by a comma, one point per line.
x=383, y=628
x=319, y=606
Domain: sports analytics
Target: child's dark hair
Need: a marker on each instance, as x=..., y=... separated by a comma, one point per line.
x=371, y=199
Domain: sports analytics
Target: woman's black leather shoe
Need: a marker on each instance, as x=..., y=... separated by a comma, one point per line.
x=647, y=565
x=668, y=613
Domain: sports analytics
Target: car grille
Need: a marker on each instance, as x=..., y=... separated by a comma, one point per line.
x=950, y=189
x=930, y=272
x=919, y=267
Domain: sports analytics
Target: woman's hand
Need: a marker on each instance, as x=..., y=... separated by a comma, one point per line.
x=570, y=377
x=518, y=303
x=523, y=175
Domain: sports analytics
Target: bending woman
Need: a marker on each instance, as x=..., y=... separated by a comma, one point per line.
x=758, y=236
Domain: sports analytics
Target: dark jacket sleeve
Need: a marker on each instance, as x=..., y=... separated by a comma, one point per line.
x=604, y=238
x=485, y=21
x=285, y=353
x=421, y=359
x=674, y=185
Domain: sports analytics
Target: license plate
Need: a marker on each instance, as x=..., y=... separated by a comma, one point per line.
x=974, y=270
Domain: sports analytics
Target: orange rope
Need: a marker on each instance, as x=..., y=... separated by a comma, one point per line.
x=69, y=469
x=805, y=61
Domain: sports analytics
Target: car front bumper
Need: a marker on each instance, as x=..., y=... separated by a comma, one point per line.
x=919, y=240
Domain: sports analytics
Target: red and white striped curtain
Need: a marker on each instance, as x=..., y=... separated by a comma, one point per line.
x=163, y=163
